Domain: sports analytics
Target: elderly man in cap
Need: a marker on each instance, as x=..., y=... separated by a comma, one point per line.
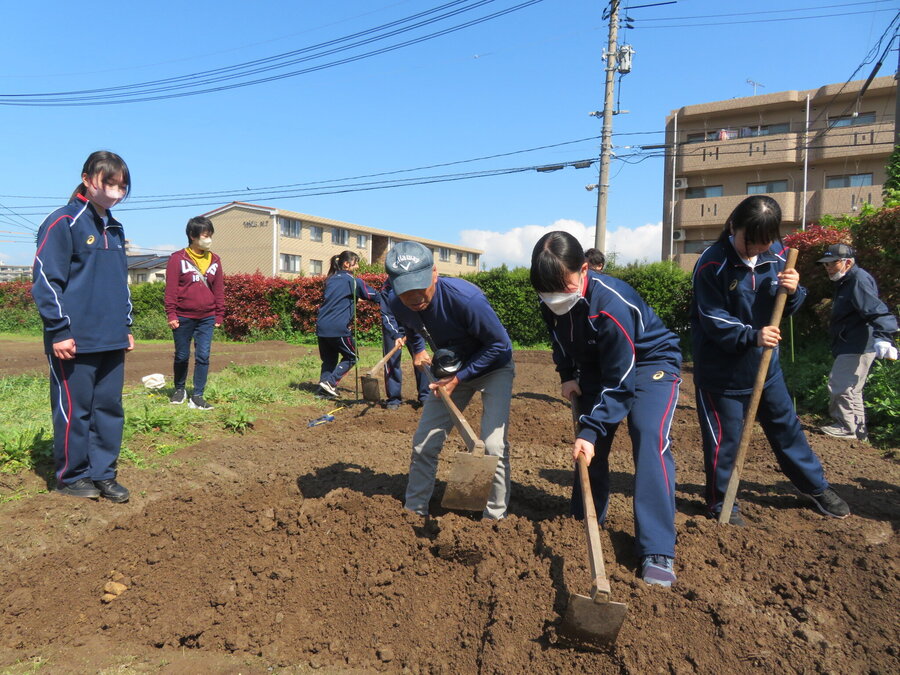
x=861, y=329
x=454, y=318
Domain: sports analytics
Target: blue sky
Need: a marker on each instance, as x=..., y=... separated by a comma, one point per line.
x=524, y=80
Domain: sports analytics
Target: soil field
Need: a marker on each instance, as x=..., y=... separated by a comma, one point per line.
x=287, y=550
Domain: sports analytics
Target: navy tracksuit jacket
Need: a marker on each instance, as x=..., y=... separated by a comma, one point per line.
x=627, y=364
x=333, y=323
x=858, y=316
x=732, y=302
x=81, y=290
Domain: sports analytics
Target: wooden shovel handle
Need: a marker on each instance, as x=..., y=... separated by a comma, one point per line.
x=474, y=444
x=750, y=416
x=600, y=590
x=373, y=371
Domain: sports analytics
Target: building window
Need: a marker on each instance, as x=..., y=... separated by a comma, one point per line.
x=765, y=130
x=290, y=227
x=316, y=233
x=703, y=191
x=444, y=254
x=289, y=263
x=315, y=267
x=140, y=278
x=458, y=258
x=767, y=187
x=362, y=240
x=850, y=180
x=851, y=121
x=471, y=259
x=340, y=236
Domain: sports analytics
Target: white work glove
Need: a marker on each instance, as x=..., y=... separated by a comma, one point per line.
x=885, y=350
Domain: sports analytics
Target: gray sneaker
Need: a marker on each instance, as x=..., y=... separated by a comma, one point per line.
x=178, y=397
x=837, y=431
x=197, y=403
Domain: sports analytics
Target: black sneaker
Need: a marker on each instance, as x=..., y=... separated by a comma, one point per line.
x=830, y=504
x=178, y=397
x=197, y=403
x=111, y=490
x=82, y=487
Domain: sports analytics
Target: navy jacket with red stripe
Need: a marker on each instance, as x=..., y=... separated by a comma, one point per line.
x=80, y=279
x=731, y=303
x=602, y=340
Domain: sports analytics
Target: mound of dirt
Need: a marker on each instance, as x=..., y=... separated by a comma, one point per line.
x=289, y=549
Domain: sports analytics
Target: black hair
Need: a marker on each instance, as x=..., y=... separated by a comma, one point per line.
x=759, y=216
x=343, y=258
x=105, y=163
x=197, y=226
x=555, y=256
x=595, y=258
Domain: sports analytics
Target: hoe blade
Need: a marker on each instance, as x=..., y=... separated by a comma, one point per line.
x=592, y=622
x=470, y=482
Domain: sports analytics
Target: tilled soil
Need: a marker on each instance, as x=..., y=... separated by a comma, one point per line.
x=288, y=550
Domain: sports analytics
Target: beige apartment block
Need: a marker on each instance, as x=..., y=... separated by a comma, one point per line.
x=276, y=242
x=816, y=152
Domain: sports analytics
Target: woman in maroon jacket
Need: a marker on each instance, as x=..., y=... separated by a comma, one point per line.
x=195, y=304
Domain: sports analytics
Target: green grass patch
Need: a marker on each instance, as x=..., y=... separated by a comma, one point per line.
x=155, y=429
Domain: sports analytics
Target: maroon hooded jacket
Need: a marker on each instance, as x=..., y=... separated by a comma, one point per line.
x=187, y=295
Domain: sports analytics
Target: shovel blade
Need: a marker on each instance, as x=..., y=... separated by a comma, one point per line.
x=370, y=390
x=470, y=482
x=592, y=622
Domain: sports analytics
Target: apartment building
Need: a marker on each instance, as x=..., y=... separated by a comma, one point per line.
x=816, y=152
x=276, y=242
x=14, y=272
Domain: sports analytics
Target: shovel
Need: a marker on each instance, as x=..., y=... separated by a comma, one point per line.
x=472, y=475
x=370, y=389
x=592, y=619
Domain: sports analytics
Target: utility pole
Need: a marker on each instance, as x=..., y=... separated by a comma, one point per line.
x=606, y=135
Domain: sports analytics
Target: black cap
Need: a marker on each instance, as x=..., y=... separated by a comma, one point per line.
x=837, y=252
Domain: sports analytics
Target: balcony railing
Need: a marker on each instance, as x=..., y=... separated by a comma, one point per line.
x=709, y=211
x=840, y=142
x=778, y=149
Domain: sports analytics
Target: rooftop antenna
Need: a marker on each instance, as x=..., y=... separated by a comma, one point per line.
x=755, y=84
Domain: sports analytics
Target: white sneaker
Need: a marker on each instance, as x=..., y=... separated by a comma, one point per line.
x=328, y=388
x=837, y=431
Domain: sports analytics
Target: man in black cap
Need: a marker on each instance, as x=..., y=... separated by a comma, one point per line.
x=861, y=329
x=455, y=318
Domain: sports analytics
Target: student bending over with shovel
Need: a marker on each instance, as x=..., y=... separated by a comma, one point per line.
x=735, y=284
x=618, y=360
x=454, y=317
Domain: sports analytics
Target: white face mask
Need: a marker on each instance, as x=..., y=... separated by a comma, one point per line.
x=837, y=276
x=106, y=196
x=560, y=303
x=204, y=243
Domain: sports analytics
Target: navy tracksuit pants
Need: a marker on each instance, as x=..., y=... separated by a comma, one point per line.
x=721, y=422
x=332, y=348
x=649, y=424
x=86, y=402
x=393, y=374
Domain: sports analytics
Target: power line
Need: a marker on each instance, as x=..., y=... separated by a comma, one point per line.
x=208, y=81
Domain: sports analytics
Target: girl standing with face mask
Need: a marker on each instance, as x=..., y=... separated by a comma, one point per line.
x=195, y=305
x=616, y=359
x=81, y=291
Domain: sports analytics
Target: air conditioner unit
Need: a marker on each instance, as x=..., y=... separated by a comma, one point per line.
x=680, y=183
x=679, y=235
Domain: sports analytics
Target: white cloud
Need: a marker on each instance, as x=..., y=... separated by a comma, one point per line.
x=513, y=247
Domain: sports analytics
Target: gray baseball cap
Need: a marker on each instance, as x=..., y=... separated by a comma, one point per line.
x=837, y=252
x=409, y=266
